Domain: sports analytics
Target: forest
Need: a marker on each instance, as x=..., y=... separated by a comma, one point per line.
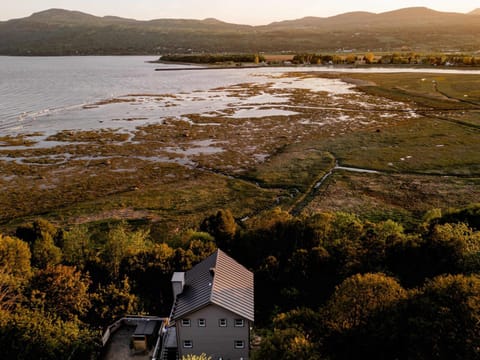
x=329, y=285
x=397, y=58
x=63, y=32
x=213, y=58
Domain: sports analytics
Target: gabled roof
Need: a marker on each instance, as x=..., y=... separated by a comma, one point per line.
x=218, y=280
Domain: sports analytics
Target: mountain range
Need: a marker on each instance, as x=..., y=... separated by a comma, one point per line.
x=63, y=32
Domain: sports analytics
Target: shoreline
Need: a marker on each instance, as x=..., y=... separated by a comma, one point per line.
x=210, y=67
x=190, y=66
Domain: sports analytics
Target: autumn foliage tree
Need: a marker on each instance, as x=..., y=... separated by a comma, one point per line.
x=222, y=227
x=61, y=290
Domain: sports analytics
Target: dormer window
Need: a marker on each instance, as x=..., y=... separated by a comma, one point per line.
x=239, y=323
x=186, y=322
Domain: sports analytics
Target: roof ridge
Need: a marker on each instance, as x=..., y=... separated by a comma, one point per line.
x=216, y=253
x=218, y=280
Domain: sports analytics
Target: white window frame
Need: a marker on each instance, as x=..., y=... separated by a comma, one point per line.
x=239, y=323
x=202, y=322
x=186, y=322
x=187, y=344
x=222, y=322
x=239, y=344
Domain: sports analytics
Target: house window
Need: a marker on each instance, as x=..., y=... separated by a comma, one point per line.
x=202, y=322
x=239, y=344
x=185, y=322
x=239, y=323
x=222, y=322
x=187, y=344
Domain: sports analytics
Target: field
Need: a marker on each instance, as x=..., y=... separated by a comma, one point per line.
x=393, y=146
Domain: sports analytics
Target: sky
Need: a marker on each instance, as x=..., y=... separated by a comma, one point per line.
x=251, y=12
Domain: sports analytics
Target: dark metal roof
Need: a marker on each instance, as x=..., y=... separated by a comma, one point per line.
x=218, y=280
x=147, y=327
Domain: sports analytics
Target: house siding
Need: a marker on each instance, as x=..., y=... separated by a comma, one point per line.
x=212, y=336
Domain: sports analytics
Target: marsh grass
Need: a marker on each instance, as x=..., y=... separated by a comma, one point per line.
x=19, y=140
x=428, y=90
x=295, y=166
x=401, y=197
x=421, y=145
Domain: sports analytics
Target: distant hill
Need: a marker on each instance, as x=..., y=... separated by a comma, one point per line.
x=62, y=32
x=475, y=12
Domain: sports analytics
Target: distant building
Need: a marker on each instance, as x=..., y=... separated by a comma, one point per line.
x=213, y=310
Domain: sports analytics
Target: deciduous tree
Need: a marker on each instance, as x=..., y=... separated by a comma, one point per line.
x=359, y=297
x=61, y=290
x=113, y=301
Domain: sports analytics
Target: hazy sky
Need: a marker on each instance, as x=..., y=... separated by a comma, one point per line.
x=254, y=12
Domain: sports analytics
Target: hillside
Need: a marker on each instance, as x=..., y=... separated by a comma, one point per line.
x=62, y=32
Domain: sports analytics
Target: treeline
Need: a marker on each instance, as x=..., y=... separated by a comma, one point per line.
x=327, y=286
x=60, y=287
x=213, y=58
x=388, y=59
x=341, y=288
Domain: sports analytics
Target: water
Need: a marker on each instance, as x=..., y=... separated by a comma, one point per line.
x=47, y=94
x=50, y=94
x=35, y=86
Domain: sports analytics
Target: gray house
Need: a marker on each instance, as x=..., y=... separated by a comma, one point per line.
x=213, y=310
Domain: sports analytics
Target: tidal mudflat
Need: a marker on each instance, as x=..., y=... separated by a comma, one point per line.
x=173, y=158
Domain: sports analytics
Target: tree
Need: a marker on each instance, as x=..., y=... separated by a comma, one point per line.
x=369, y=58
x=469, y=215
x=112, y=302
x=121, y=243
x=358, y=302
x=222, y=227
x=360, y=297
x=45, y=252
x=404, y=257
x=471, y=255
x=11, y=290
x=442, y=320
x=305, y=320
x=350, y=59
x=37, y=230
x=439, y=321
x=61, y=290
x=444, y=247
x=15, y=271
x=150, y=273
x=33, y=334
x=310, y=272
x=286, y=344
x=346, y=226
x=462, y=246
x=201, y=250
x=15, y=257
x=78, y=246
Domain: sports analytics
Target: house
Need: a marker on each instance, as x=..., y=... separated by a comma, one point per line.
x=213, y=310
